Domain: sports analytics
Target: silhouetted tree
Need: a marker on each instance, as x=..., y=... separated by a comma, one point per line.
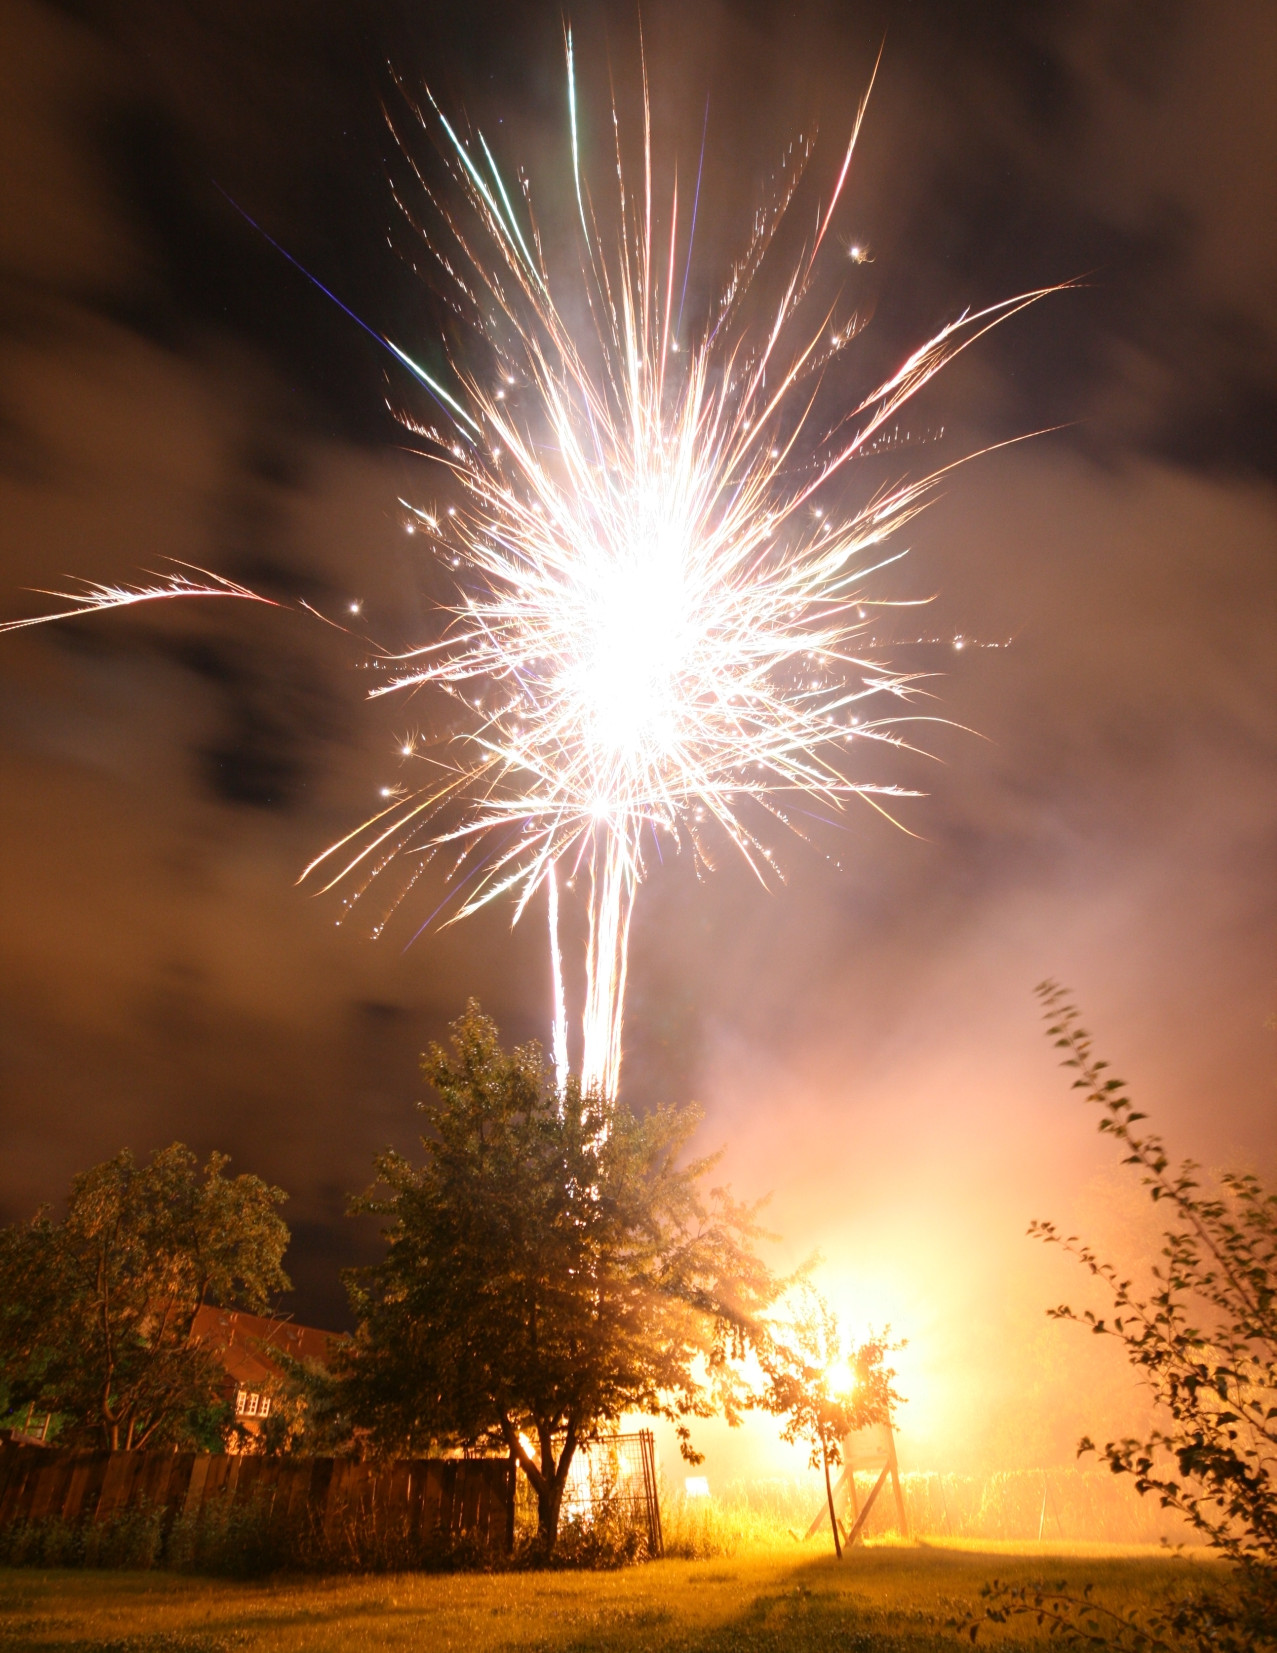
x=97, y=1311
x=549, y=1266
x=825, y=1387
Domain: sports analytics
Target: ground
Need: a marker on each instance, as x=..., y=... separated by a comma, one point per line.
x=891, y=1596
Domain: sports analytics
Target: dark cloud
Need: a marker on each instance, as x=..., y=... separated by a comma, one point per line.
x=862, y=1039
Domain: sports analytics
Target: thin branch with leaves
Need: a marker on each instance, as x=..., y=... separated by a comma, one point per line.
x=1204, y=1337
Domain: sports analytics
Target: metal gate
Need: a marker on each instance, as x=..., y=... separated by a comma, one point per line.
x=618, y=1473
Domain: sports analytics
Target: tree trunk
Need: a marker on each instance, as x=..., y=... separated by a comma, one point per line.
x=549, y=1503
x=547, y=1479
x=829, y=1494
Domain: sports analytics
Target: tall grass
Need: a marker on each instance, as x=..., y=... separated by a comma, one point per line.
x=698, y=1528
x=1071, y=1505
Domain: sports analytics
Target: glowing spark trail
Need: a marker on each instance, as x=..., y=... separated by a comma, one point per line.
x=92, y=597
x=656, y=629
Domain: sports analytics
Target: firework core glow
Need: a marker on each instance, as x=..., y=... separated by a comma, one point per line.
x=657, y=639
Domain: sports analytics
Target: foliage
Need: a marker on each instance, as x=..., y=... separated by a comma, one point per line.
x=739, y=1522
x=96, y=1311
x=823, y=1388
x=1204, y=1336
x=1076, y=1504
x=601, y=1536
x=238, y=1541
x=132, y=1538
x=1206, y=1621
x=307, y=1411
x=549, y=1267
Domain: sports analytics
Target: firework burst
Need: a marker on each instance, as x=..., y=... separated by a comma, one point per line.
x=658, y=628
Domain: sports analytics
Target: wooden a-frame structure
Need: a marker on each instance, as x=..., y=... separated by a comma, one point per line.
x=865, y=1449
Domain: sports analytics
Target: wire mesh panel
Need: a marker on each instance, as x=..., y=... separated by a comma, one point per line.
x=614, y=1478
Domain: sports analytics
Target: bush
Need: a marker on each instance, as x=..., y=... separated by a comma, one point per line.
x=132, y=1538
x=600, y=1530
x=1203, y=1336
x=235, y=1542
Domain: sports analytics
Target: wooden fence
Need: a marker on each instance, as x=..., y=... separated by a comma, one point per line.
x=426, y=1498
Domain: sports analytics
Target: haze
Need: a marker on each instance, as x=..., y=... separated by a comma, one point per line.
x=864, y=1041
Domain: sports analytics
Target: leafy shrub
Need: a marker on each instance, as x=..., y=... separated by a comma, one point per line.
x=1204, y=1338
x=235, y=1542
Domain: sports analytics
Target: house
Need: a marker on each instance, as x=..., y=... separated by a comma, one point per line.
x=244, y=1343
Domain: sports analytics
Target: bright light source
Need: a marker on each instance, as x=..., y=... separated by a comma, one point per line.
x=696, y=1486
x=840, y=1377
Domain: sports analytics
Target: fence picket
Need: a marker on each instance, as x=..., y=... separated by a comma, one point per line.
x=426, y=1495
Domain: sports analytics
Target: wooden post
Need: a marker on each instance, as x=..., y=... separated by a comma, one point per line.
x=845, y=1487
x=894, y=1467
x=818, y=1520
x=651, y=1491
x=512, y=1492
x=854, y=1534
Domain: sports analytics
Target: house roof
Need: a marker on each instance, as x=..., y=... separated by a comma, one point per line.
x=244, y=1342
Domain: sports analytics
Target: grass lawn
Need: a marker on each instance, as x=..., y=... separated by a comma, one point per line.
x=888, y=1596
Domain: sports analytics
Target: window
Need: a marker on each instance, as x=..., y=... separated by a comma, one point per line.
x=36, y=1426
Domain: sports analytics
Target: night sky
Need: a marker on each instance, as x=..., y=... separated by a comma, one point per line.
x=864, y=1040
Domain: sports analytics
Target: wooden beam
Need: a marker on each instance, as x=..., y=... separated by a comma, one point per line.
x=846, y=1485
x=822, y=1514
x=894, y=1467
x=854, y=1534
